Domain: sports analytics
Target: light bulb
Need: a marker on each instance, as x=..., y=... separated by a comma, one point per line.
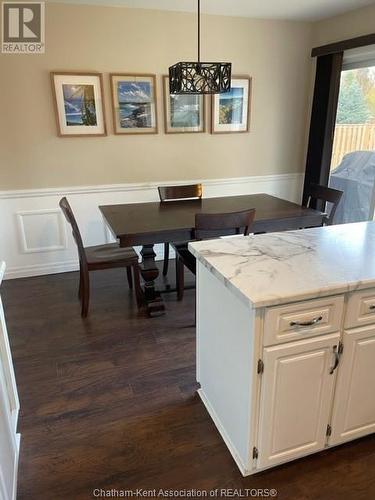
x=199, y=82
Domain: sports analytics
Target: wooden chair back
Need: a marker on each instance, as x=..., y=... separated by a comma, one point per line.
x=214, y=225
x=69, y=216
x=173, y=193
x=317, y=192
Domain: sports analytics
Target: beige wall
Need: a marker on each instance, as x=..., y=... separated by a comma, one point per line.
x=349, y=25
x=109, y=39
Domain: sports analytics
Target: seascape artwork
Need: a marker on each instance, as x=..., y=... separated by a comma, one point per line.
x=135, y=101
x=231, y=106
x=185, y=111
x=79, y=105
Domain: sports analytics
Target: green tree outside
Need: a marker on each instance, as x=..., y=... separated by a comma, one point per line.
x=353, y=106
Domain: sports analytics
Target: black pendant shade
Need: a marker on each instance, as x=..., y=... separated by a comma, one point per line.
x=199, y=77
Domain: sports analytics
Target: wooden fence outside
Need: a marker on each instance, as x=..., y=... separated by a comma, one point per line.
x=350, y=138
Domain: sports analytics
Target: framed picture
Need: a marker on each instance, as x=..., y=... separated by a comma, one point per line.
x=183, y=113
x=79, y=105
x=134, y=104
x=231, y=110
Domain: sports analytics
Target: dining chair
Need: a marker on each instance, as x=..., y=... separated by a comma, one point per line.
x=175, y=193
x=96, y=258
x=210, y=226
x=317, y=192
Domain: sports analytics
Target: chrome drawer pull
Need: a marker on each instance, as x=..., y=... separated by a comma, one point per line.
x=306, y=323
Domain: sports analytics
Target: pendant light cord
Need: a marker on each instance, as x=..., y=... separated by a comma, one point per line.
x=199, y=31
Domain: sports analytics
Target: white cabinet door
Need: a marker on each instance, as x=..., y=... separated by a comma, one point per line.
x=354, y=404
x=296, y=399
x=7, y=370
x=9, y=406
x=8, y=446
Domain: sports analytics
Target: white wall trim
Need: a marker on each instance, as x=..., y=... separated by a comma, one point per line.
x=108, y=188
x=42, y=269
x=61, y=228
x=26, y=259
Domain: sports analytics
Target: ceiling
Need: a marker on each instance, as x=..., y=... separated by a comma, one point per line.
x=309, y=10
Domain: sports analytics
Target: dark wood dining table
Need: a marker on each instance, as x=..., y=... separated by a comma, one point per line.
x=146, y=224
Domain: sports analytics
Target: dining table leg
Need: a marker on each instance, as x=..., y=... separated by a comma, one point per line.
x=150, y=272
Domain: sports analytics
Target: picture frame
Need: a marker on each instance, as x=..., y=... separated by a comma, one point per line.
x=134, y=103
x=230, y=111
x=183, y=114
x=79, y=103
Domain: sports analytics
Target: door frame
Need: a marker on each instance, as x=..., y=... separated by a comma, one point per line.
x=324, y=108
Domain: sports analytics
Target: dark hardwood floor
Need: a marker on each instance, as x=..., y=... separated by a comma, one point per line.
x=109, y=402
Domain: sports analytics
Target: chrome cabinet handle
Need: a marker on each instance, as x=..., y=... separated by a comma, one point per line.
x=337, y=360
x=337, y=351
x=306, y=323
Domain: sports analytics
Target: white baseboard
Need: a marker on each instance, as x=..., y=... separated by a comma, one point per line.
x=40, y=245
x=42, y=269
x=57, y=267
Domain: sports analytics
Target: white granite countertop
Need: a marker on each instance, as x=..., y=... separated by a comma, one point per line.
x=277, y=268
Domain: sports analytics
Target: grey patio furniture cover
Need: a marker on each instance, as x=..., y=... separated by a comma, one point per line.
x=355, y=176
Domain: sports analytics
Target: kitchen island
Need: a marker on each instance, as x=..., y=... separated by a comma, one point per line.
x=9, y=409
x=286, y=340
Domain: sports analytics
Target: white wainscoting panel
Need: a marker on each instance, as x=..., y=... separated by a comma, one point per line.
x=42, y=230
x=35, y=239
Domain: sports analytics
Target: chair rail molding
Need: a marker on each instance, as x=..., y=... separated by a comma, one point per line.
x=34, y=239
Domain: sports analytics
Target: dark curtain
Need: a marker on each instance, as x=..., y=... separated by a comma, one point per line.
x=323, y=119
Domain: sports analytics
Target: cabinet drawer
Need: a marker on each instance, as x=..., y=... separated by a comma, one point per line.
x=361, y=308
x=302, y=320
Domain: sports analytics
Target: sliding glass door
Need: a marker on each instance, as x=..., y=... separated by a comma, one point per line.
x=352, y=167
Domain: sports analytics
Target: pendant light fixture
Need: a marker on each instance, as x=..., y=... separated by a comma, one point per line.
x=199, y=77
